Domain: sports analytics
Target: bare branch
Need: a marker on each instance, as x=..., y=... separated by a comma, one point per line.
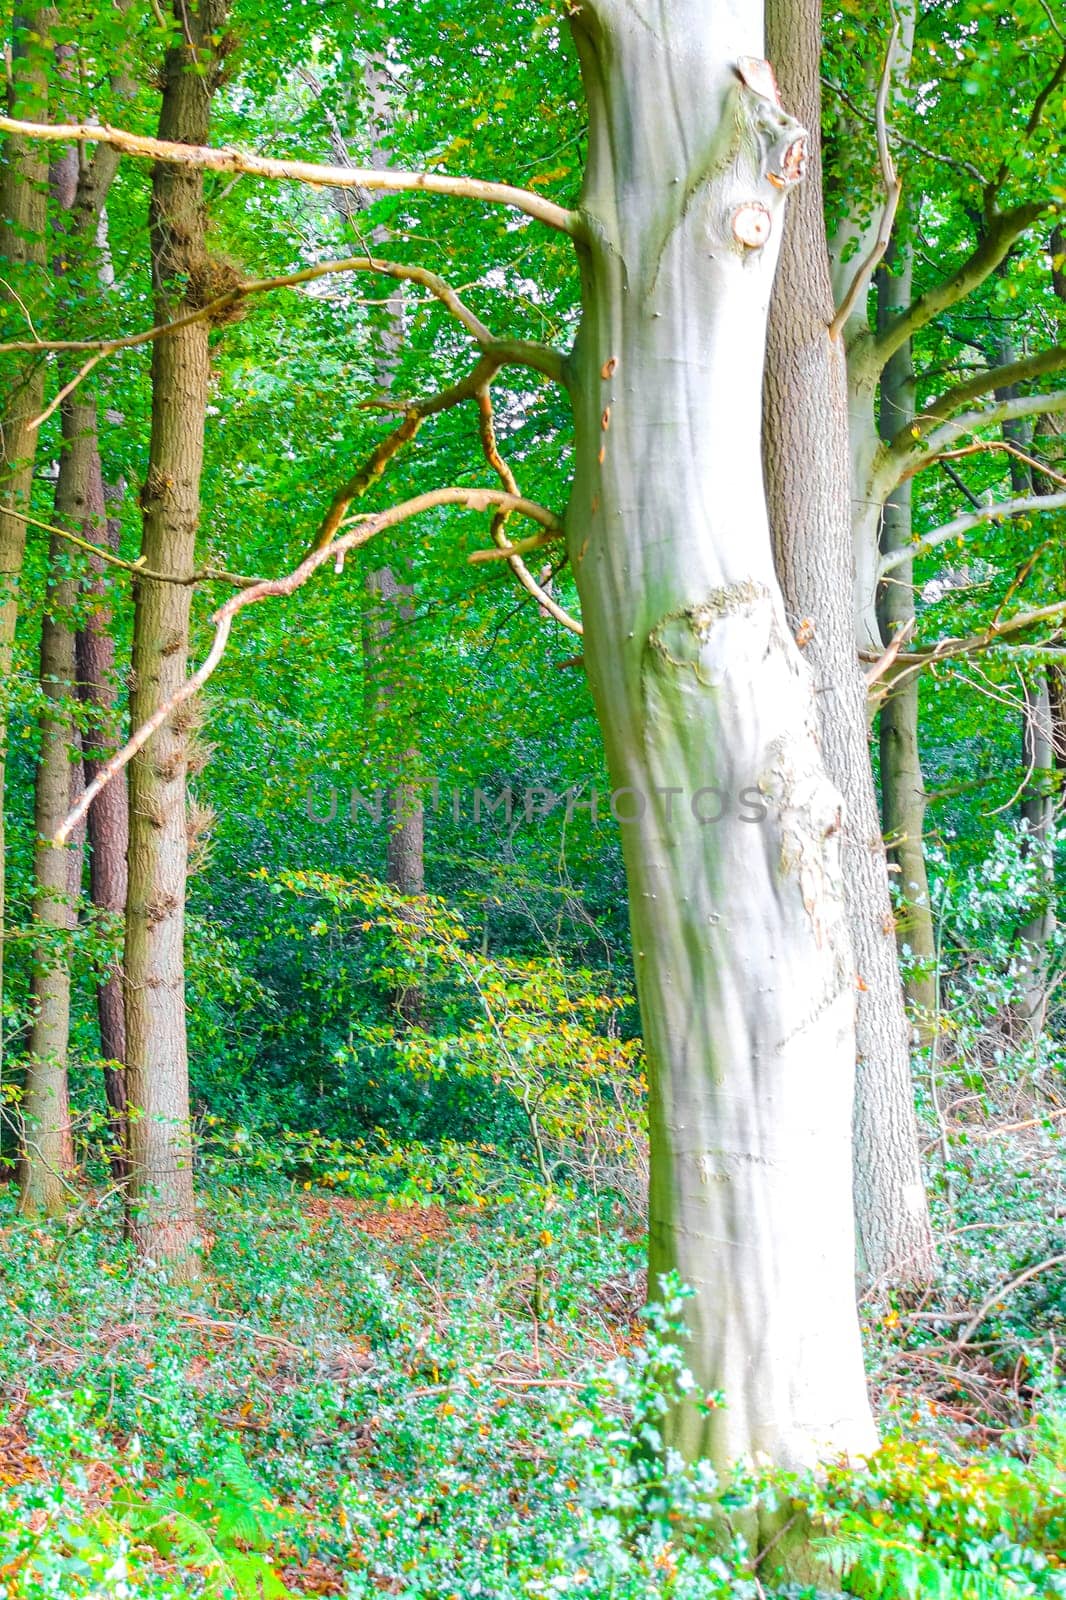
x=508, y=352
x=206, y=159
x=884, y=662
x=415, y=413
x=893, y=189
x=902, y=139
x=267, y=588
x=201, y=575
x=999, y=511
x=910, y=662
x=487, y=430
x=1004, y=445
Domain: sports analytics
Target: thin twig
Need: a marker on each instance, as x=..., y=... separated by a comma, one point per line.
x=1023, y=1277
x=893, y=189
x=473, y=499
x=201, y=575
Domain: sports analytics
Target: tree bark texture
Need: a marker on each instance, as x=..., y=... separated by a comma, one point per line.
x=23, y=264
x=902, y=780
x=807, y=465
x=78, y=192
x=744, y=965
x=108, y=820
x=160, y=1188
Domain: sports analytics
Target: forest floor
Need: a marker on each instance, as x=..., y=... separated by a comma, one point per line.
x=431, y=1402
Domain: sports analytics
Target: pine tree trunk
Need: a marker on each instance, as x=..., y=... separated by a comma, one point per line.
x=902, y=781
x=807, y=463
x=23, y=264
x=744, y=965
x=160, y=1189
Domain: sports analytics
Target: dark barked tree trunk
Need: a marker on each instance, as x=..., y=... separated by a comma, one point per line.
x=744, y=965
x=902, y=779
x=160, y=1198
x=807, y=463
x=108, y=821
x=78, y=193
x=23, y=265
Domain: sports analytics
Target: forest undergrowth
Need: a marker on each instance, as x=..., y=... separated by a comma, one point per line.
x=443, y=1399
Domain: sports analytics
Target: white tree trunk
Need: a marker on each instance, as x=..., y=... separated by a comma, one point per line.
x=744, y=965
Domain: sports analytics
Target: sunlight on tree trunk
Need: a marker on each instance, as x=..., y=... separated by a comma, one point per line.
x=160, y=1190
x=807, y=463
x=744, y=964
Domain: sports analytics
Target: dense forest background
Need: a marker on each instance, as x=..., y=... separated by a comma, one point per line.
x=415, y=1362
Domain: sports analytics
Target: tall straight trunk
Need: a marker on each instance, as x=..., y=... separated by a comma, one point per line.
x=902, y=780
x=108, y=822
x=1029, y=1013
x=744, y=966
x=160, y=1189
x=807, y=464
x=393, y=602
x=46, y=1115
x=23, y=262
x=78, y=193
x=1038, y=814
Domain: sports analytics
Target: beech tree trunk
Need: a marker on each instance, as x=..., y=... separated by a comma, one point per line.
x=902, y=781
x=744, y=965
x=160, y=1188
x=23, y=263
x=807, y=464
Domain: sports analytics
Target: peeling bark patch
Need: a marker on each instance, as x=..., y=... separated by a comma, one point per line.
x=680, y=639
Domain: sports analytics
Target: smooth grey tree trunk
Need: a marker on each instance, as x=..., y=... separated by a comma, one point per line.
x=806, y=450
x=744, y=964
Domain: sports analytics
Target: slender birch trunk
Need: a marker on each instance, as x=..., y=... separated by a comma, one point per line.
x=23, y=265
x=902, y=781
x=806, y=448
x=160, y=1188
x=744, y=964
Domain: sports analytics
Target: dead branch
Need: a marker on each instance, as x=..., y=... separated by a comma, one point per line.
x=504, y=548
x=206, y=159
x=508, y=352
x=201, y=575
x=1001, y=1294
x=473, y=499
